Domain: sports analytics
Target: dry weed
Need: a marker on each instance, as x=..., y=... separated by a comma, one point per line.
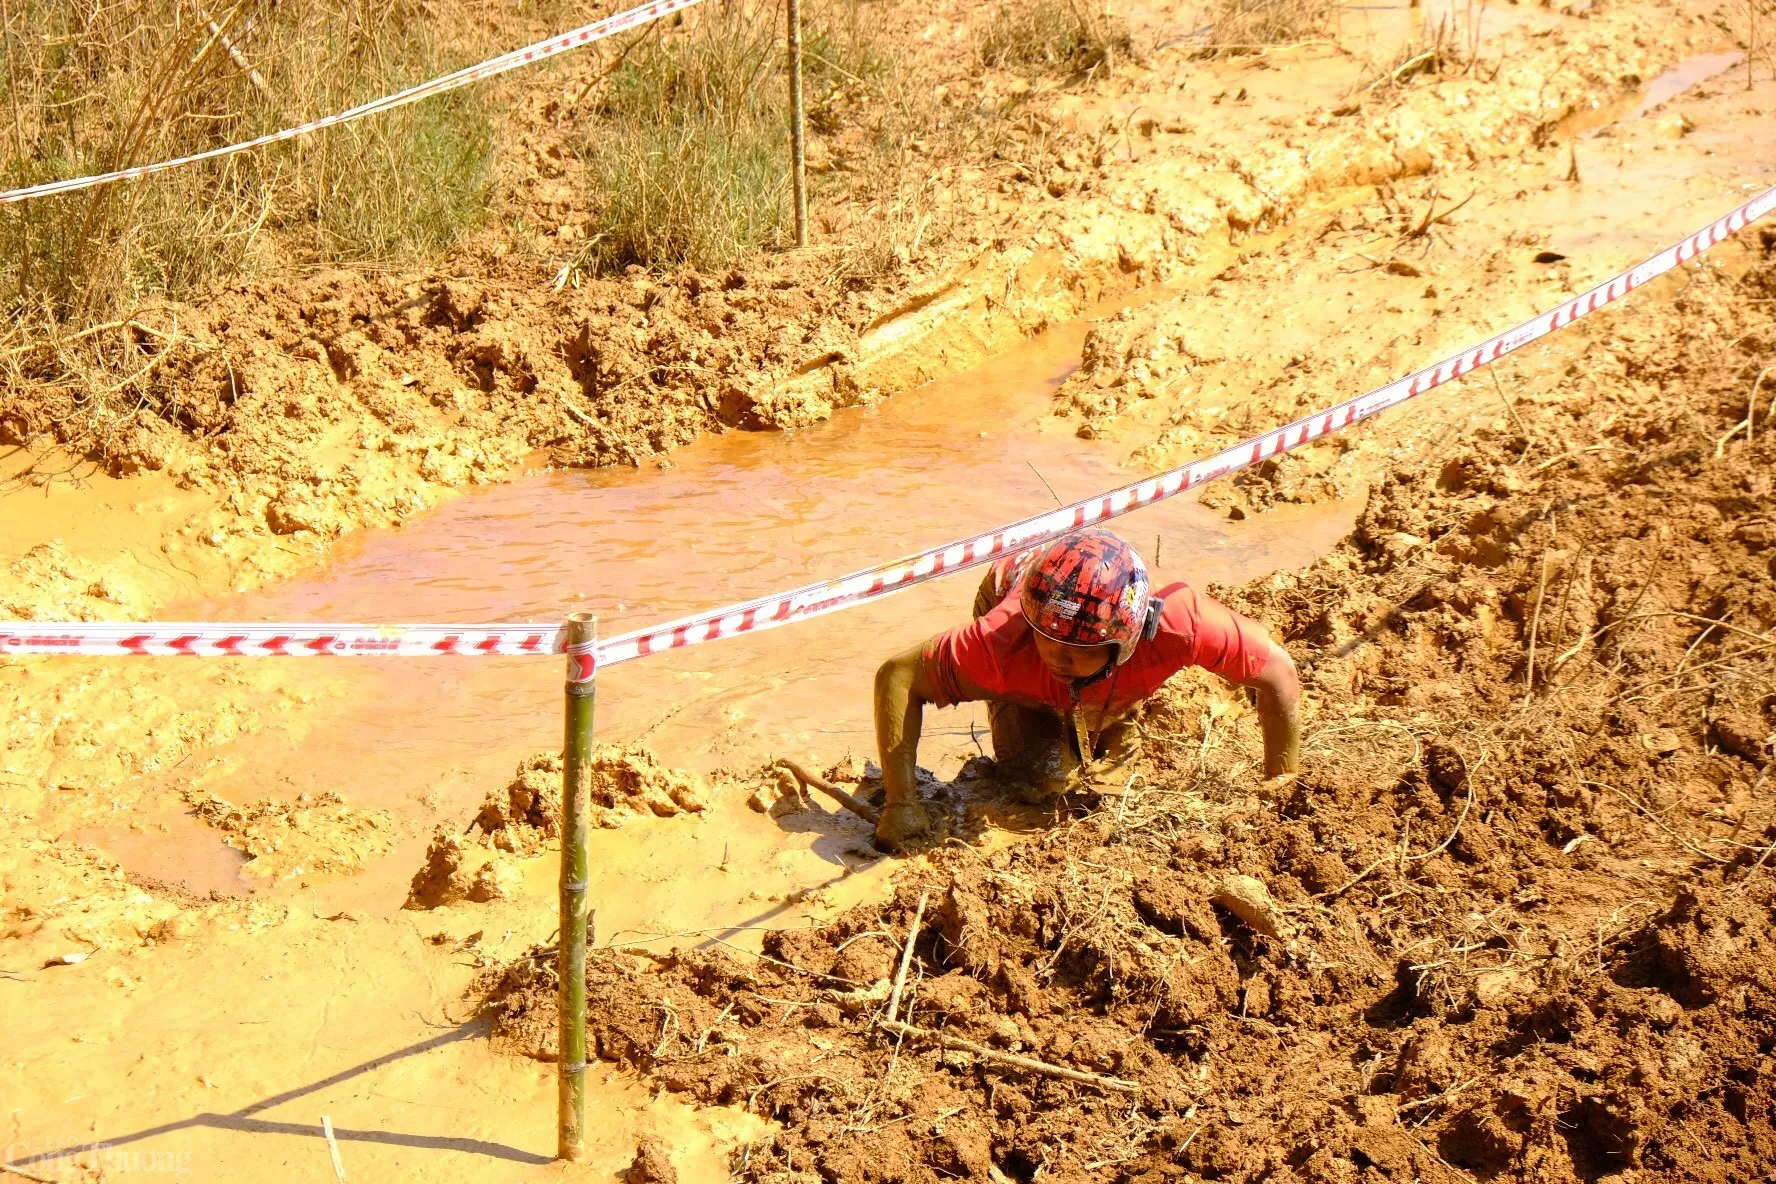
x=109, y=86
x=1757, y=19
x=1248, y=26
x=688, y=153
x=1071, y=36
x=1450, y=44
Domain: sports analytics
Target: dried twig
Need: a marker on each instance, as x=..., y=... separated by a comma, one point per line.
x=1435, y=1098
x=1047, y=486
x=327, y=1122
x=1756, y=867
x=906, y=955
x=1468, y=780
x=1356, y=879
x=1028, y=1064
x=1432, y=218
x=851, y=802
x=1529, y=677
x=1511, y=407
x=1658, y=822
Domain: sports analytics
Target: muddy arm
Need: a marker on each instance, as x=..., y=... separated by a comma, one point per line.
x=902, y=690
x=1278, y=688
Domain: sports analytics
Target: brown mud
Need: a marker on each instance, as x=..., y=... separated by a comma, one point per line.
x=1260, y=215
x=1515, y=919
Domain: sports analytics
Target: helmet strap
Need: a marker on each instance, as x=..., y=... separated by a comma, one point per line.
x=1088, y=741
x=1156, y=607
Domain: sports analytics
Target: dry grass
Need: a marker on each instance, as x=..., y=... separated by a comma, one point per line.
x=1071, y=36
x=1449, y=45
x=688, y=154
x=687, y=151
x=97, y=88
x=898, y=208
x=1248, y=26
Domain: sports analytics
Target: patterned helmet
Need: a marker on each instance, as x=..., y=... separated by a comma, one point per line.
x=1087, y=588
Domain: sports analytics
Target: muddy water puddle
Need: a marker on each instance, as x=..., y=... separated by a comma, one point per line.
x=1638, y=104
x=729, y=518
x=164, y=843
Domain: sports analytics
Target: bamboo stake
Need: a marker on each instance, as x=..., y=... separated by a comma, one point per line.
x=576, y=792
x=1529, y=677
x=235, y=55
x=797, y=126
x=1028, y=1064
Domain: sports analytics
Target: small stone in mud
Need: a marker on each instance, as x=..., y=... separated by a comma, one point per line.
x=652, y=1164
x=1248, y=899
x=1663, y=742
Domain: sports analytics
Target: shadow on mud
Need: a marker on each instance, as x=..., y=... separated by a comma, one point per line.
x=243, y=1120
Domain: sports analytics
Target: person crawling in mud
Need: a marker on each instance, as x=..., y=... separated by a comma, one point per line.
x=1065, y=643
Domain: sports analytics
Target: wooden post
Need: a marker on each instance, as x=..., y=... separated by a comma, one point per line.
x=576, y=792
x=797, y=126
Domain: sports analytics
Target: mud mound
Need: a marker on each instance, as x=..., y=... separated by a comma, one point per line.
x=1571, y=1070
x=520, y=817
x=455, y=869
x=1515, y=920
x=652, y=1164
x=320, y=835
x=629, y=780
x=626, y=782
x=48, y=583
x=524, y=816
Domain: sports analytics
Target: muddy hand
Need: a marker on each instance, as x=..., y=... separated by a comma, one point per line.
x=901, y=821
x=1277, y=788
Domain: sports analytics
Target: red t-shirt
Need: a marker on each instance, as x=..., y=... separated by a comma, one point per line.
x=995, y=652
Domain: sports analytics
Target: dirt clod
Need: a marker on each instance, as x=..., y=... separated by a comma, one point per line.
x=1247, y=898
x=321, y=835
x=652, y=1164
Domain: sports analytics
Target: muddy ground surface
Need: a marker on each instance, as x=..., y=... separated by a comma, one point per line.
x=226, y=893
x=1515, y=919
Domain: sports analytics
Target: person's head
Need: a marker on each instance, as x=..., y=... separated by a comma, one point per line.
x=1086, y=599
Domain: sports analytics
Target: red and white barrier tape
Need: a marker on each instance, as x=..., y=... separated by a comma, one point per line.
x=209, y=640
x=815, y=600
x=572, y=39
